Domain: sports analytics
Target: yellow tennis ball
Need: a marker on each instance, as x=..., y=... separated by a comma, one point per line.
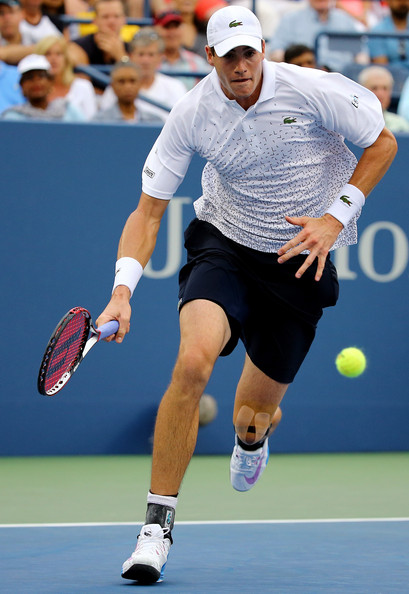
x=351, y=362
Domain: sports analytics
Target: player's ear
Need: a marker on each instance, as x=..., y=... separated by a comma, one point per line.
x=210, y=55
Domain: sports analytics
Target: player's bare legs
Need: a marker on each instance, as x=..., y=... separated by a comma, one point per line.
x=256, y=414
x=205, y=331
x=257, y=397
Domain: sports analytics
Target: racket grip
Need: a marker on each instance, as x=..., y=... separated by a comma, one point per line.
x=108, y=329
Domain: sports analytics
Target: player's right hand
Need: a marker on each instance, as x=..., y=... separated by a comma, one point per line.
x=119, y=309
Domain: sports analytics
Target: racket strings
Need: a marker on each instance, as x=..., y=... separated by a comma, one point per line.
x=65, y=350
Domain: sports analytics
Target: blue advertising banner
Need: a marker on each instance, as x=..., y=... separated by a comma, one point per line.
x=66, y=193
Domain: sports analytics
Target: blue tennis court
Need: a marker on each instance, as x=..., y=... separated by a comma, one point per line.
x=331, y=556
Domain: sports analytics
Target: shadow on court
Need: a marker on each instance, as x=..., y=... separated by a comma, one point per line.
x=295, y=557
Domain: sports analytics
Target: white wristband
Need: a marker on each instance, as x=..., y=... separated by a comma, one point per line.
x=128, y=272
x=347, y=204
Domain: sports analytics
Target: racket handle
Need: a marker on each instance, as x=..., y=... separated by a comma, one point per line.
x=108, y=329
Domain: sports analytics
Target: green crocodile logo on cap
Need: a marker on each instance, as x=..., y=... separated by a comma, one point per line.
x=289, y=120
x=346, y=200
x=235, y=24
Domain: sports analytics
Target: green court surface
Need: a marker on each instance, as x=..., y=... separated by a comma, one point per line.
x=113, y=489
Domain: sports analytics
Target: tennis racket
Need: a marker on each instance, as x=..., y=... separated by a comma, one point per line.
x=73, y=338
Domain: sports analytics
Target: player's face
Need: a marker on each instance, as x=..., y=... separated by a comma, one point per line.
x=240, y=73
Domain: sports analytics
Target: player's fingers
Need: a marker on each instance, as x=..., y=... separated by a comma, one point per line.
x=298, y=221
x=310, y=259
x=124, y=327
x=290, y=249
x=320, y=266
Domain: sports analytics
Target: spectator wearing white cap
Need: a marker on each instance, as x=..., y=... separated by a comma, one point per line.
x=36, y=84
x=280, y=189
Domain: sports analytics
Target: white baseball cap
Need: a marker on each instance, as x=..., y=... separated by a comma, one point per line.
x=33, y=62
x=232, y=26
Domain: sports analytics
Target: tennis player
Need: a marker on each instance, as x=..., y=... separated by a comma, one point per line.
x=280, y=190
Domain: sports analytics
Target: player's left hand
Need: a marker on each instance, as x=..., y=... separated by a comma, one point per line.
x=317, y=236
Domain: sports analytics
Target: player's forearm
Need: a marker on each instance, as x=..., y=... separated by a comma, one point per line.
x=374, y=162
x=138, y=238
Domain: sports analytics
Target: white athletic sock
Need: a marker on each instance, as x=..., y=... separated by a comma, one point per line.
x=166, y=500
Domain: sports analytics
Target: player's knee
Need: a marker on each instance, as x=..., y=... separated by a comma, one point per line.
x=193, y=369
x=250, y=426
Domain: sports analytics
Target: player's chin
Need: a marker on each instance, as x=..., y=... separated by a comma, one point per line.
x=242, y=90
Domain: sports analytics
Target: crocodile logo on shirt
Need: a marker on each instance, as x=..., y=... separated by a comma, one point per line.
x=345, y=200
x=289, y=120
x=235, y=24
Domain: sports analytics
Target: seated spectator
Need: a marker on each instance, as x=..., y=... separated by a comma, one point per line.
x=105, y=46
x=36, y=84
x=10, y=91
x=380, y=81
x=135, y=9
x=367, y=12
x=125, y=83
x=303, y=26
x=88, y=28
x=176, y=58
x=193, y=35
x=203, y=10
x=270, y=12
x=10, y=18
x=54, y=9
x=146, y=51
x=14, y=45
x=403, y=104
x=390, y=50
x=35, y=25
x=300, y=55
x=79, y=91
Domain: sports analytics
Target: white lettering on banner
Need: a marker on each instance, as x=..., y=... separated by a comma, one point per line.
x=341, y=256
x=366, y=254
x=366, y=251
x=174, y=241
x=341, y=261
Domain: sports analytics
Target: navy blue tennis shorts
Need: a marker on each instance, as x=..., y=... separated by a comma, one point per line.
x=274, y=313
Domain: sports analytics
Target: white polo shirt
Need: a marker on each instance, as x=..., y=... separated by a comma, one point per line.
x=285, y=155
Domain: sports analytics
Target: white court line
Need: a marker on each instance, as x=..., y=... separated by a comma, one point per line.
x=210, y=522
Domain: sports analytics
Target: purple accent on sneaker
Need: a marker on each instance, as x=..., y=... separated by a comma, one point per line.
x=252, y=480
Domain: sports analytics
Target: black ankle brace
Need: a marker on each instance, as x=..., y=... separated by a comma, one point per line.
x=250, y=447
x=162, y=515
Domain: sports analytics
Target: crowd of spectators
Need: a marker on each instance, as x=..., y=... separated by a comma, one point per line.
x=109, y=61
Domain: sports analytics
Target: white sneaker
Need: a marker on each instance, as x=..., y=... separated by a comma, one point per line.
x=147, y=563
x=246, y=467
